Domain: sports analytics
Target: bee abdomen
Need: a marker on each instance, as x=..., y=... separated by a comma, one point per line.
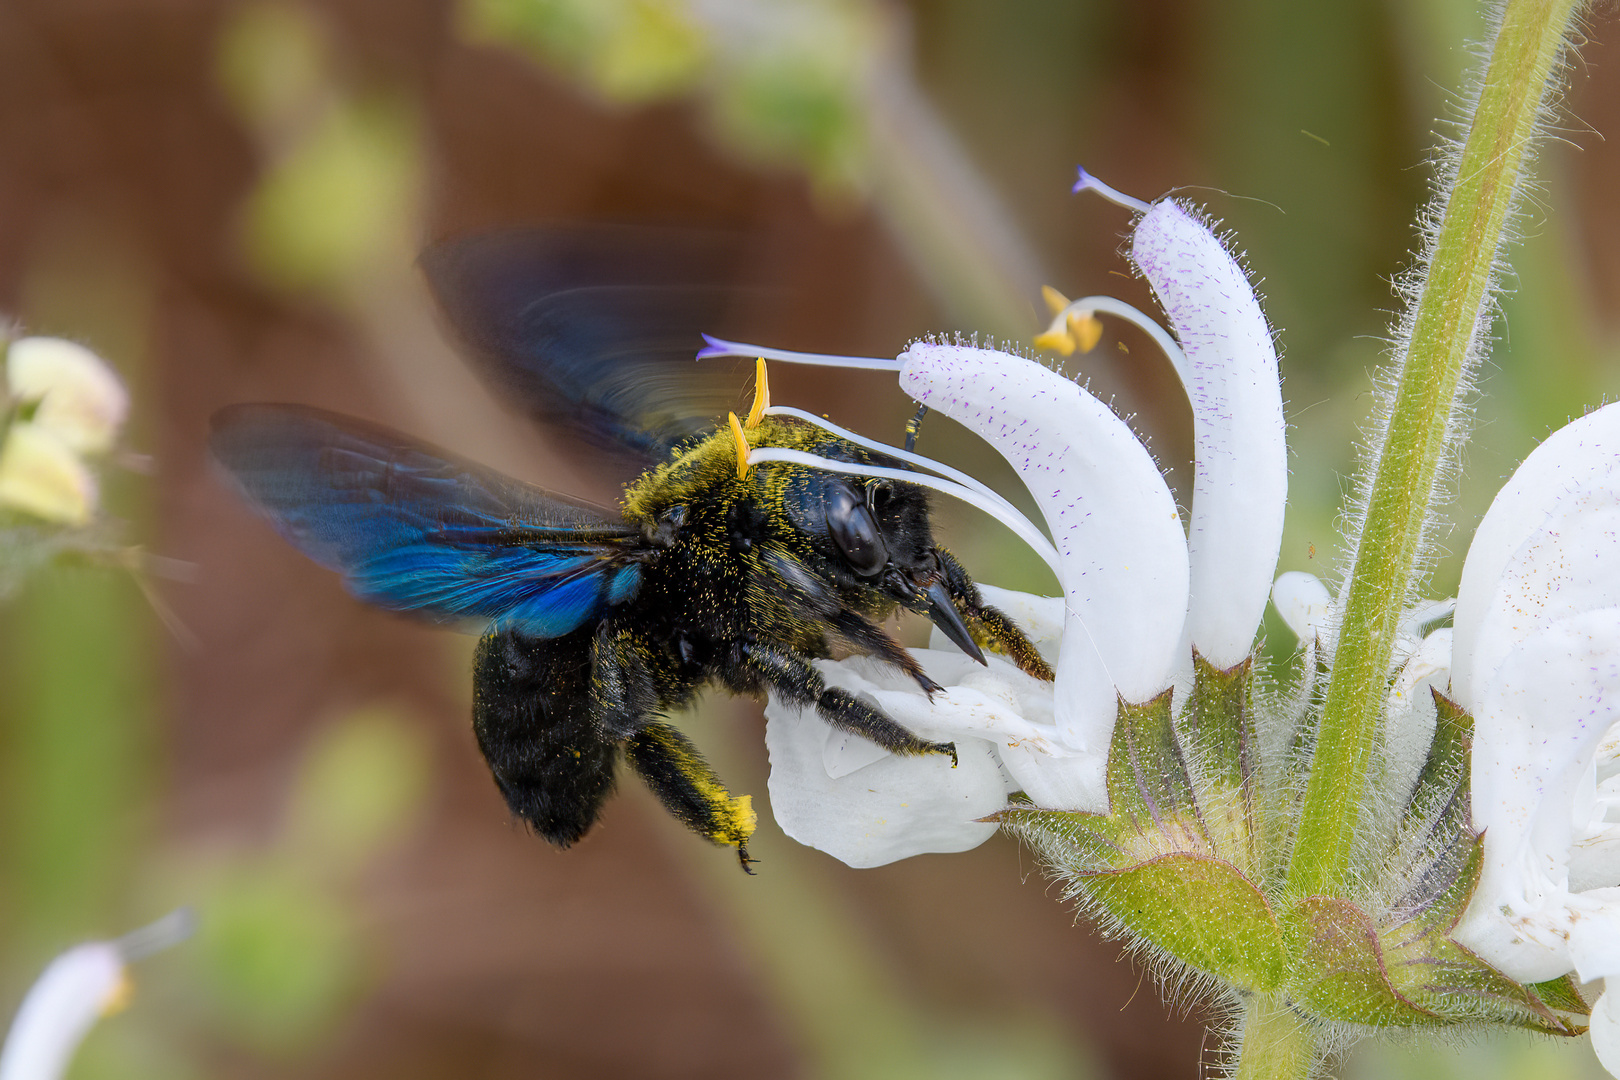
x=532, y=715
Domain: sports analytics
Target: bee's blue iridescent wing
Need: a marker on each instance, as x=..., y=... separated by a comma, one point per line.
x=595, y=330
x=411, y=528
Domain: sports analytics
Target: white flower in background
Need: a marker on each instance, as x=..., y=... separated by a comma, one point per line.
x=78, y=988
x=1141, y=590
x=1534, y=657
x=1536, y=661
x=64, y=402
x=79, y=399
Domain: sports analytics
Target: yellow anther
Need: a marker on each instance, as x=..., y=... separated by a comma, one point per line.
x=1086, y=329
x=762, y=395
x=119, y=997
x=1059, y=341
x=742, y=446
x=1055, y=301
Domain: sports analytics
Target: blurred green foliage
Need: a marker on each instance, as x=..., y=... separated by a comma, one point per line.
x=782, y=83
x=339, y=195
x=629, y=51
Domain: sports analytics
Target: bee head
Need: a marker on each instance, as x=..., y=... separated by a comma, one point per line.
x=878, y=536
x=879, y=528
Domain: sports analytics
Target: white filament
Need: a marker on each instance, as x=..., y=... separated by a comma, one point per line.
x=893, y=451
x=1120, y=309
x=996, y=508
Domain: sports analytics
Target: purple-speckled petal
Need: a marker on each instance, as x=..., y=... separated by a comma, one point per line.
x=1231, y=379
x=1577, y=466
x=1112, y=518
x=1538, y=722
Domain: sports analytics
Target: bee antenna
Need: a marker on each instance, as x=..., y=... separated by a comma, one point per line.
x=912, y=427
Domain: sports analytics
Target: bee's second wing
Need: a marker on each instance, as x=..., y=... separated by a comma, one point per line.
x=411, y=528
x=596, y=330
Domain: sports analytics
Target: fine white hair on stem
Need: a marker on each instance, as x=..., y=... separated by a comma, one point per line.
x=1230, y=376
x=995, y=507
x=1446, y=160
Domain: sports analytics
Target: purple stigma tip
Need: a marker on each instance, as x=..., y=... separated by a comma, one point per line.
x=712, y=349
x=1085, y=181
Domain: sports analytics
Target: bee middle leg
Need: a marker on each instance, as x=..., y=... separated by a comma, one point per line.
x=689, y=788
x=797, y=680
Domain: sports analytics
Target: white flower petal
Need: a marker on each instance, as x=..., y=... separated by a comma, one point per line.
x=1605, y=1031
x=1303, y=602
x=1231, y=379
x=1410, y=717
x=78, y=987
x=889, y=807
x=1580, y=457
x=1538, y=722
x=1112, y=518
x=80, y=399
x=1594, y=861
x=1570, y=565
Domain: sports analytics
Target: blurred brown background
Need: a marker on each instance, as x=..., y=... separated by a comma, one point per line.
x=225, y=201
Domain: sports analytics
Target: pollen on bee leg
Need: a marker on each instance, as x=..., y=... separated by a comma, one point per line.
x=762, y=395
x=742, y=446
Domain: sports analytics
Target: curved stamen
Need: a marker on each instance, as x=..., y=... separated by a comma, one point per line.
x=720, y=347
x=908, y=456
x=1018, y=523
x=1143, y=322
x=1113, y=195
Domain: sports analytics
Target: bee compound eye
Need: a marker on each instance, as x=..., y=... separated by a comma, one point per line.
x=852, y=528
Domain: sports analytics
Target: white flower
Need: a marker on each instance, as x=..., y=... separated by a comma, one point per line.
x=76, y=395
x=79, y=987
x=1536, y=661
x=42, y=476
x=71, y=405
x=1141, y=590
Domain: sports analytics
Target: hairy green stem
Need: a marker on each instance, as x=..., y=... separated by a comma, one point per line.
x=1276, y=1045
x=1443, y=327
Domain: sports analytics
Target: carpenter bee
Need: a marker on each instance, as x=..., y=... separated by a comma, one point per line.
x=597, y=623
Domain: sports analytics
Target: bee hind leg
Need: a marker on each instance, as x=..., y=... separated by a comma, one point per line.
x=797, y=680
x=990, y=624
x=689, y=788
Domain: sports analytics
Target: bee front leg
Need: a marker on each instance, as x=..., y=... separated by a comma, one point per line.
x=871, y=640
x=999, y=631
x=797, y=680
x=689, y=788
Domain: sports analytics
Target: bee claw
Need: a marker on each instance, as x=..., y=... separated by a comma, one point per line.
x=747, y=863
x=946, y=748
